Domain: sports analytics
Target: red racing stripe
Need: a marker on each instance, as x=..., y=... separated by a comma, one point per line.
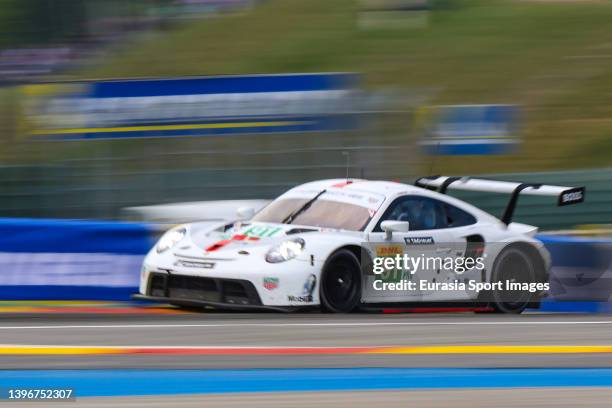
x=218, y=245
x=222, y=243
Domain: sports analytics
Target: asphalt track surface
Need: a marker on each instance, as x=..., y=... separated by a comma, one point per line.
x=270, y=340
x=164, y=339
x=462, y=398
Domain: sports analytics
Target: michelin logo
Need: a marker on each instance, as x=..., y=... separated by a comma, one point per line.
x=419, y=240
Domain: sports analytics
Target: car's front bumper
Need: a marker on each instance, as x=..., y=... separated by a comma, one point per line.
x=245, y=280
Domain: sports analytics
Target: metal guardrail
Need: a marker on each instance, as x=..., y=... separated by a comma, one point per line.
x=101, y=186
x=107, y=176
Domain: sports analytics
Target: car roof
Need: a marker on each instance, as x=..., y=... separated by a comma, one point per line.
x=388, y=188
x=391, y=189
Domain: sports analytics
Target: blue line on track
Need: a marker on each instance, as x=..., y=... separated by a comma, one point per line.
x=89, y=383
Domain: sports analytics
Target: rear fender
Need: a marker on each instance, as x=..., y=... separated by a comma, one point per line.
x=523, y=229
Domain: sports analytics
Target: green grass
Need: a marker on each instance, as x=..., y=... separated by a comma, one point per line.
x=554, y=59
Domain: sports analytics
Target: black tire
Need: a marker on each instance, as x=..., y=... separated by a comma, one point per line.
x=514, y=264
x=340, y=287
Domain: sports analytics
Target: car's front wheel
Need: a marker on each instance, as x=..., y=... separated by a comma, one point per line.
x=340, y=288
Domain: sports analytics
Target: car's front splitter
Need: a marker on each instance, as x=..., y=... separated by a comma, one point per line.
x=219, y=305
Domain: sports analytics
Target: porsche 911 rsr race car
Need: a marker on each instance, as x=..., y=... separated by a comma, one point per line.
x=339, y=245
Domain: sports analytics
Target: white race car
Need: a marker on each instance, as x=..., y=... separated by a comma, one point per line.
x=333, y=243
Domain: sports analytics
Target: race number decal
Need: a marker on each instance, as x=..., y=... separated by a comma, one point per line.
x=261, y=231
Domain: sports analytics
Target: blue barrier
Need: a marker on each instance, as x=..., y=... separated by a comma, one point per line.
x=73, y=236
x=43, y=259
x=581, y=276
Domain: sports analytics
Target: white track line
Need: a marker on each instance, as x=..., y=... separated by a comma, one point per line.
x=344, y=324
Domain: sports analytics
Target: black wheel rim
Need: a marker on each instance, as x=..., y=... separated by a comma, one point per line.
x=340, y=285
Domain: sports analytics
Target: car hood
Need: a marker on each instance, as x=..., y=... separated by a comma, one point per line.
x=217, y=241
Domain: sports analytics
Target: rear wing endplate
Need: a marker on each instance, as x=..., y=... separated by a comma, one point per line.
x=565, y=195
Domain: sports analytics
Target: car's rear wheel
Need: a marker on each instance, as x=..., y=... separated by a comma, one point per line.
x=340, y=288
x=514, y=265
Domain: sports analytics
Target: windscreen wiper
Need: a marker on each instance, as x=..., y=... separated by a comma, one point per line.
x=303, y=208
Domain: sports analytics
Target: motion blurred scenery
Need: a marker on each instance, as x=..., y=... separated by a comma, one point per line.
x=399, y=89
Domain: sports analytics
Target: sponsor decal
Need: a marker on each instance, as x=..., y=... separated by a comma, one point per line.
x=419, y=240
x=192, y=264
x=301, y=299
x=572, y=196
x=270, y=283
x=307, y=290
x=309, y=285
x=391, y=251
x=343, y=195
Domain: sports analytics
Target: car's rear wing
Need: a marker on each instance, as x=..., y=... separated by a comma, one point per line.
x=565, y=195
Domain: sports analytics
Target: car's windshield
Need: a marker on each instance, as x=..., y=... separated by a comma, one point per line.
x=322, y=213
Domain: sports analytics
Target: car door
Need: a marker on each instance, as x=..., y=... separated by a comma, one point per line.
x=426, y=239
x=465, y=242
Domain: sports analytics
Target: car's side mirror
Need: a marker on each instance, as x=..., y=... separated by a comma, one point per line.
x=390, y=226
x=245, y=213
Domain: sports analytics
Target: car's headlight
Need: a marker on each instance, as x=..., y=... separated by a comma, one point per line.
x=285, y=251
x=170, y=239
